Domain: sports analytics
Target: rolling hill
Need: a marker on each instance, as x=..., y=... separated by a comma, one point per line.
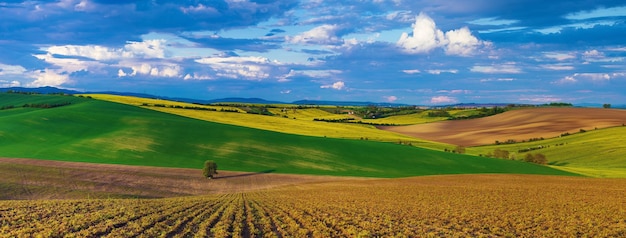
x=518, y=125
x=88, y=130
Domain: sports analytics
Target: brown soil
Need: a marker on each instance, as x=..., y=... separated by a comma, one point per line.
x=518, y=125
x=45, y=179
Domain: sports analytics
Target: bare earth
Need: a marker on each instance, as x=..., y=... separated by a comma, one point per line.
x=518, y=125
x=45, y=179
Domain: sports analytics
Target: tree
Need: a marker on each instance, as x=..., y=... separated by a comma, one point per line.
x=606, y=105
x=537, y=158
x=210, y=169
x=460, y=149
x=502, y=154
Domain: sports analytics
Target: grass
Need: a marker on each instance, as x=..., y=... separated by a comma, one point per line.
x=303, y=123
x=597, y=153
x=104, y=132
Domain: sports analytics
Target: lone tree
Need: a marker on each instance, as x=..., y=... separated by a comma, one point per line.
x=210, y=169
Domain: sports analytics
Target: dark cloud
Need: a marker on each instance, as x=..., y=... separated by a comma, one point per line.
x=115, y=22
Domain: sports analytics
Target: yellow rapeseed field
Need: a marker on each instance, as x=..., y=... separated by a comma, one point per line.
x=303, y=123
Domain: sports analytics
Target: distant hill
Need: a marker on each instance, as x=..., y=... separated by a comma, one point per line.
x=42, y=90
x=345, y=103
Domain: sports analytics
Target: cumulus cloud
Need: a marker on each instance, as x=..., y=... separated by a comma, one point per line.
x=496, y=69
x=442, y=99
x=322, y=35
x=339, y=85
x=49, y=77
x=144, y=49
x=427, y=37
x=156, y=70
x=461, y=42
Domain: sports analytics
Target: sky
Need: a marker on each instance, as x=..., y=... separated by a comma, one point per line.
x=419, y=52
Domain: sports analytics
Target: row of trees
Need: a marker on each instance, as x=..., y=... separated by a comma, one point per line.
x=537, y=158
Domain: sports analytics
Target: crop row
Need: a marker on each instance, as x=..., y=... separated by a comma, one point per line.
x=510, y=207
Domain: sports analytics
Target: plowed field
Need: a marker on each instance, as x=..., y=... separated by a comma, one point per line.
x=517, y=125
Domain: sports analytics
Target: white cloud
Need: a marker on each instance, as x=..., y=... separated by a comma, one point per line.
x=6, y=69
x=321, y=74
x=144, y=49
x=541, y=99
x=461, y=42
x=598, y=13
x=121, y=73
x=557, y=67
x=442, y=99
x=560, y=56
x=285, y=92
x=48, y=77
x=590, y=77
x=411, y=71
x=197, y=76
x=390, y=98
x=324, y=35
x=440, y=71
x=492, y=21
x=245, y=67
x=497, y=80
x=200, y=9
x=7, y=84
x=593, y=54
x=339, y=85
x=455, y=91
x=426, y=37
x=161, y=70
x=496, y=69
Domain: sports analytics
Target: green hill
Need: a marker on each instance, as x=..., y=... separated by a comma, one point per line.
x=89, y=130
x=598, y=153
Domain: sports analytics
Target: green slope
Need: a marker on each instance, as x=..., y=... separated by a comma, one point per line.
x=105, y=132
x=598, y=153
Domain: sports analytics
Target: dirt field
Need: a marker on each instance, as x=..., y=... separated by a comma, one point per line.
x=518, y=125
x=44, y=179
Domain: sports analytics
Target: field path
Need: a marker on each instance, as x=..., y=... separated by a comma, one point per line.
x=518, y=125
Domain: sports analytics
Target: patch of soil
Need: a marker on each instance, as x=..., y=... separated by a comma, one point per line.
x=46, y=179
x=518, y=125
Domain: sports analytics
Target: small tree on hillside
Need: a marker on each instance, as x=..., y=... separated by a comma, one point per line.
x=536, y=158
x=459, y=149
x=210, y=169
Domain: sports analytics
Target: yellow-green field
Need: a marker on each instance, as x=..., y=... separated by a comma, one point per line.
x=302, y=125
x=596, y=153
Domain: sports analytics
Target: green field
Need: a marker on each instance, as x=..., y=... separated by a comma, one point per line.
x=96, y=131
x=597, y=153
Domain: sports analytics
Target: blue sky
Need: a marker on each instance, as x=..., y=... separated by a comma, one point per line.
x=415, y=52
